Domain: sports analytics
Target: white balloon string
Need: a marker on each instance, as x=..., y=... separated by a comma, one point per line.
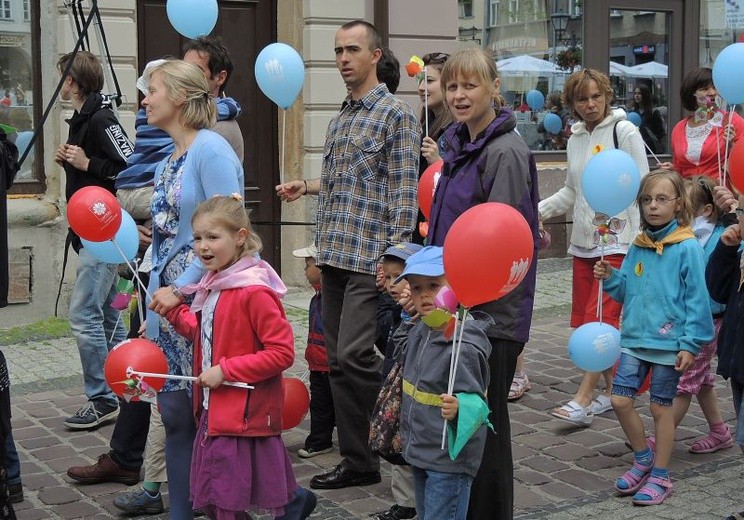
x=116, y=325
x=451, y=372
x=732, y=108
x=426, y=103
x=718, y=149
x=131, y=372
x=131, y=268
x=658, y=161
x=284, y=142
x=601, y=284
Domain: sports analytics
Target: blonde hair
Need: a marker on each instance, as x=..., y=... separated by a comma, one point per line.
x=472, y=61
x=684, y=214
x=186, y=84
x=700, y=188
x=229, y=211
x=578, y=83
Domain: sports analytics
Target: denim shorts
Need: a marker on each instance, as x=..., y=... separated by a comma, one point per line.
x=737, y=389
x=632, y=371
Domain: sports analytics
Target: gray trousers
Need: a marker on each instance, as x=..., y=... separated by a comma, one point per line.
x=349, y=302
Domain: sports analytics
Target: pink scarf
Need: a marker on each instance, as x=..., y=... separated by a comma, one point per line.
x=243, y=273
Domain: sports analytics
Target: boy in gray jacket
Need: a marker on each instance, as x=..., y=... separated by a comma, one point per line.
x=442, y=485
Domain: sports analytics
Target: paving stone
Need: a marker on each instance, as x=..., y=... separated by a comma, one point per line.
x=58, y=495
x=544, y=464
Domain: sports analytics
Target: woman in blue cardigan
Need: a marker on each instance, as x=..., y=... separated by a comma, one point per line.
x=202, y=165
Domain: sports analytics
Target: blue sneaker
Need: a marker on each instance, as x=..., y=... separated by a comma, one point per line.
x=139, y=503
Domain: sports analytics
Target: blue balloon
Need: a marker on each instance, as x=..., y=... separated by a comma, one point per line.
x=728, y=73
x=127, y=238
x=635, y=118
x=280, y=73
x=192, y=18
x=535, y=100
x=594, y=346
x=22, y=140
x=610, y=181
x=553, y=123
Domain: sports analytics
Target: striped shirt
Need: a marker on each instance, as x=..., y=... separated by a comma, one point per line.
x=367, y=199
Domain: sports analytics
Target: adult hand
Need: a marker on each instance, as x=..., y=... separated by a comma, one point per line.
x=60, y=154
x=430, y=150
x=76, y=157
x=164, y=301
x=449, y=407
x=602, y=270
x=731, y=236
x=724, y=199
x=291, y=191
x=145, y=235
x=684, y=361
x=729, y=132
x=211, y=377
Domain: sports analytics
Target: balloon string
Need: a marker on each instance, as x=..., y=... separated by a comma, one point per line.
x=284, y=142
x=452, y=364
x=658, y=161
x=455, y=360
x=601, y=284
x=129, y=265
x=426, y=104
x=131, y=372
x=718, y=149
x=726, y=146
x=116, y=325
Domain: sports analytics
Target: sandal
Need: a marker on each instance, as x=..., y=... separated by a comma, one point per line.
x=600, y=405
x=637, y=479
x=575, y=413
x=656, y=497
x=520, y=384
x=711, y=443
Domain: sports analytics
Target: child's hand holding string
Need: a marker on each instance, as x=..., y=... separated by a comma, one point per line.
x=731, y=236
x=684, y=361
x=449, y=407
x=211, y=377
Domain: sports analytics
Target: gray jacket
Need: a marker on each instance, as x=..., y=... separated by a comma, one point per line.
x=425, y=355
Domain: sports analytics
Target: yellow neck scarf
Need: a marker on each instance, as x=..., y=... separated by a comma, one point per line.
x=676, y=236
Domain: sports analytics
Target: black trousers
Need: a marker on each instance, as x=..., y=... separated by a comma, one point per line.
x=322, y=416
x=492, y=494
x=6, y=508
x=350, y=303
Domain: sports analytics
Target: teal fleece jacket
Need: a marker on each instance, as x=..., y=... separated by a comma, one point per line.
x=665, y=300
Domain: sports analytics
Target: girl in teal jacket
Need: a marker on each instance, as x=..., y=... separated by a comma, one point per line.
x=666, y=320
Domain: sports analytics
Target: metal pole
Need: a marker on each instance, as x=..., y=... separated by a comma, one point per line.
x=99, y=39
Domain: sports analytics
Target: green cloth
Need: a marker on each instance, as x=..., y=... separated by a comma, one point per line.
x=472, y=413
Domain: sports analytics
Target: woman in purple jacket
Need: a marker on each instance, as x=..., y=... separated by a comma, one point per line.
x=486, y=160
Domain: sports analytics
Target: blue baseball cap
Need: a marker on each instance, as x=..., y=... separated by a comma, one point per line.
x=429, y=261
x=402, y=250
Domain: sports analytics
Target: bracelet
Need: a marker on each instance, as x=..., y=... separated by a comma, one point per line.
x=303, y=180
x=177, y=292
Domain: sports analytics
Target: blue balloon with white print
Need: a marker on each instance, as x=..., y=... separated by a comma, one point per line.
x=280, y=73
x=594, y=346
x=610, y=181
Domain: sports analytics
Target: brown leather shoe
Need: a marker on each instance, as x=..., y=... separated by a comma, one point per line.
x=105, y=470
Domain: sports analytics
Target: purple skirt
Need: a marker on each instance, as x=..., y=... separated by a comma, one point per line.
x=240, y=473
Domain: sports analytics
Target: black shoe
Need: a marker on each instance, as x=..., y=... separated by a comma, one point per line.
x=92, y=414
x=15, y=493
x=340, y=477
x=396, y=513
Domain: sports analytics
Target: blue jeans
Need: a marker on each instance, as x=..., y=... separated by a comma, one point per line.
x=441, y=496
x=180, y=430
x=93, y=322
x=12, y=462
x=632, y=371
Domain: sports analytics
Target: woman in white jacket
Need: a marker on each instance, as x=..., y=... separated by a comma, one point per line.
x=588, y=93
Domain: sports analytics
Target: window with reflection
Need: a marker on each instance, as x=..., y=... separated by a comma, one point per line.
x=721, y=24
x=17, y=83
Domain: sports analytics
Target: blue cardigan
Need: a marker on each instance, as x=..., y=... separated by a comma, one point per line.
x=666, y=306
x=210, y=168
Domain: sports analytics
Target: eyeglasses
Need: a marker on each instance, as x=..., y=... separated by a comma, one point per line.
x=435, y=58
x=661, y=200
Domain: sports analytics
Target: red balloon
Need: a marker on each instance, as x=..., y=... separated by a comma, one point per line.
x=427, y=185
x=487, y=253
x=94, y=214
x=296, y=402
x=736, y=165
x=141, y=355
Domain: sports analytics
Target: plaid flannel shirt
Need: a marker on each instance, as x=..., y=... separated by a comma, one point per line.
x=367, y=199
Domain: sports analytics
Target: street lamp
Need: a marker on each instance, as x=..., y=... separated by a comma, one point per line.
x=559, y=21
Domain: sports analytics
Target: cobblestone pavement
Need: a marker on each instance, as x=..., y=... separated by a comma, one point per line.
x=561, y=472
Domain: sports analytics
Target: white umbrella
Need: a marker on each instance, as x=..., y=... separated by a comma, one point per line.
x=652, y=69
x=616, y=69
x=526, y=64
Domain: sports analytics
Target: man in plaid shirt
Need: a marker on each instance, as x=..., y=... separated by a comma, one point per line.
x=367, y=202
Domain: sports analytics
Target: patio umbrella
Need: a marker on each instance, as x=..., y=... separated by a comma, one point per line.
x=616, y=69
x=652, y=69
x=521, y=73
